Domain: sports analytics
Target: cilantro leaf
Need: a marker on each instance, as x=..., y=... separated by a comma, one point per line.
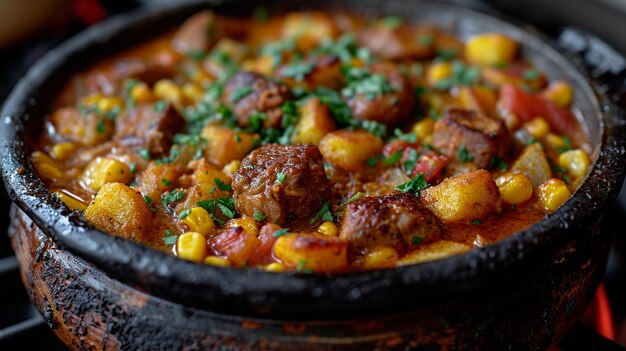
x=464, y=154
x=414, y=186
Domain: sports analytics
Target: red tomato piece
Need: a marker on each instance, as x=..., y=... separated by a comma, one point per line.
x=430, y=165
x=263, y=253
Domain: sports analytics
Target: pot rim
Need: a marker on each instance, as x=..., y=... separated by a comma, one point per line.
x=221, y=288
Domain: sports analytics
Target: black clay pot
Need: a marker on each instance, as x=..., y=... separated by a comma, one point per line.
x=100, y=291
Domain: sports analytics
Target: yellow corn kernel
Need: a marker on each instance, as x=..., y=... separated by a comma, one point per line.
x=70, y=201
x=537, y=127
x=575, y=161
x=216, y=261
x=106, y=170
x=91, y=100
x=45, y=166
x=167, y=90
x=490, y=49
x=424, y=128
x=248, y=224
x=560, y=93
x=192, y=93
x=141, y=93
x=380, y=257
x=554, y=141
x=438, y=72
x=110, y=103
x=515, y=188
x=191, y=246
x=275, y=267
x=199, y=220
x=62, y=151
x=231, y=167
x=553, y=193
x=328, y=228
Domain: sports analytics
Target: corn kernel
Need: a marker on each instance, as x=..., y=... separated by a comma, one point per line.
x=106, y=170
x=328, y=228
x=275, y=267
x=216, y=261
x=141, y=93
x=575, y=161
x=231, y=167
x=191, y=246
x=91, y=100
x=71, y=201
x=199, y=220
x=192, y=93
x=515, y=188
x=554, y=141
x=62, y=151
x=248, y=224
x=201, y=77
x=537, y=127
x=439, y=72
x=490, y=49
x=167, y=90
x=553, y=193
x=560, y=93
x=380, y=257
x=45, y=166
x=110, y=103
x=424, y=128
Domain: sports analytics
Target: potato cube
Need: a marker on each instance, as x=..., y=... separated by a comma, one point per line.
x=490, y=49
x=320, y=253
x=308, y=28
x=467, y=197
x=121, y=210
x=350, y=149
x=314, y=123
x=533, y=163
x=225, y=145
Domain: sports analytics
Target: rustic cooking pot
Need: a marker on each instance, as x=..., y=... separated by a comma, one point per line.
x=98, y=291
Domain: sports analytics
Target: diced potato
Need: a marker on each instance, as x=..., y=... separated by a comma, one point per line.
x=533, y=163
x=320, y=253
x=235, y=50
x=553, y=193
x=560, y=93
x=262, y=64
x=191, y=246
x=515, y=188
x=435, y=251
x=478, y=99
x=158, y=178
x=121, y=210
x=314, y=123
x=424, y=128
x=231, y=168
x=490, y=49
x=205, y=173
x=88, y=129
x=350, y=149
x=105, y=170
x=380, y=257
x=575, y=161
x=63, y=151
x=192, y=93
x=309, y=28
x=467, y=197
x=225, y=145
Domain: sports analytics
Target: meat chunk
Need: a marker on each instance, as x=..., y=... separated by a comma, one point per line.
x=468, y=136
x=248, y=92
x=197, y=34
x=89, y=128
x=396, y=220
x=386, y=106
x=149, y=125
x=283, y=182
x=400, y=42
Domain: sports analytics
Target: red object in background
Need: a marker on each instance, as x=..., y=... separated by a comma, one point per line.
x=598, y=315
x=88, y=11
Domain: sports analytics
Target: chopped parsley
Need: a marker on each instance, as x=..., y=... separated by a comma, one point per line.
x=324, y=214
x=174, y=154
x=276, y=49
x=416, y=240
x=300, y=267
x=414, y=186
x=166, y=182
x=226, y=205
x=464, y=154
x=184, y=214
x=425, y=40
x=280, y=232
x=567, y=144
x=497, y=162
x=390, y=22
x=101, y=126
x=530, y=74
x=297, y=70
x=373, y=161
x=133, y=167
x=259, y=216
x=240, y=93
x=394, y=158
x=411, y=162
x=169, y=238
x=186, y=139
x=149, y=202
x=362, y=82
x=280, y=177
x=223, y=186
x=376, y=128
x=475, y=222
x=145, y=154
x=462, y=74
x=160, y=106
x=171, y=197
x=408, y=137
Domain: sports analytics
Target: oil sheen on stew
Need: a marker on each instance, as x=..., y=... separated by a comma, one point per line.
x=313, y=142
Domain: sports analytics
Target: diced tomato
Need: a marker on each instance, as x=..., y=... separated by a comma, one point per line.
x=397, y=145
x=527, y=106
x=236, y=244
x=430, y=165
x=263, y=253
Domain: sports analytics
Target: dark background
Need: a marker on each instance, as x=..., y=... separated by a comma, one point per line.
x=606, y=19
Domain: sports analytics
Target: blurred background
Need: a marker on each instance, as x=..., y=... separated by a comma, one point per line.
x=28, y=29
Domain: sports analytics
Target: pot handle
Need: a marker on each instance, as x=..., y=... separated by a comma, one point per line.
x=605, y=65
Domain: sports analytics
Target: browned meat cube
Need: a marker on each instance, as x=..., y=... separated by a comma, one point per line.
x=401, y=42
x=248, y=92
x=151, y=126
x=396, y=220
x=469, y=136
x=389, y=108
x=283, y=182
x=197, y=34
x=88, y=129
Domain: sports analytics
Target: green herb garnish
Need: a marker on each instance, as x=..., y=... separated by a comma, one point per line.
x=280, y=232
x=222, y=186
x=414, y=186
x=280, y=177
x=259, y=216
x=166, y=182
x=324, y=214
x=464, y=154
x=240, y=93
x=184, y=214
